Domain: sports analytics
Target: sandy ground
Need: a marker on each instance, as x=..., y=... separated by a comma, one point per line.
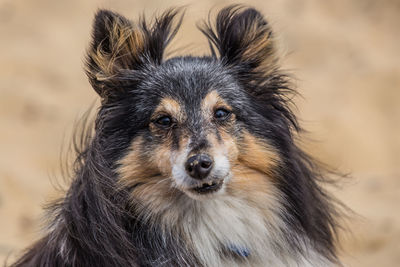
x=344, y=54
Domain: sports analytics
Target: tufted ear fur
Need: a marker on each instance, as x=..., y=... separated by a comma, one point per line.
x=243, y=38
x=119, y=46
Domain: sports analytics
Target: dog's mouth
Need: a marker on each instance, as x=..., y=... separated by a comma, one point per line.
x=208, y=187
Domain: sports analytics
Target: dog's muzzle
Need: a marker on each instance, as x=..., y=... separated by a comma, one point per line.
x=199, y=167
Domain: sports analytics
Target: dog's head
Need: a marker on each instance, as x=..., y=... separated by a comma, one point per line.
x=199, y=125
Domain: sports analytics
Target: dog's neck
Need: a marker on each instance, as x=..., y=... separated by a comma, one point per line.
x=226, y=230
x=231, y=225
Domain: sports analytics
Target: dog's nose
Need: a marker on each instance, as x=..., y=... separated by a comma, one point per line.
x=199, y=166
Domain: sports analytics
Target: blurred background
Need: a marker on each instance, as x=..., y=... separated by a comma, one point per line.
x=344, y=54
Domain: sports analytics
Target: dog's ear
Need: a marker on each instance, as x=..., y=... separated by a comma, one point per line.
x=120, y=46
x=243, y=39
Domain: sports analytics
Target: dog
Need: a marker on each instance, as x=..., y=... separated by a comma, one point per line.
x=193, y=160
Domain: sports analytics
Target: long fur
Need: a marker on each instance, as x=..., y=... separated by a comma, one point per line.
x=279, y=216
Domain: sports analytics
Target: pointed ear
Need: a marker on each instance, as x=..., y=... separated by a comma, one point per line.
x=119, y=45
x=243, y=38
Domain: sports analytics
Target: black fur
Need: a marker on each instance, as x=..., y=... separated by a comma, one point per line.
x=94, y=226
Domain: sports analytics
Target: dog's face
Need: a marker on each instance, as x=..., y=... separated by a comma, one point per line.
x=196, y=138
x=192, y=129
x=198, y=126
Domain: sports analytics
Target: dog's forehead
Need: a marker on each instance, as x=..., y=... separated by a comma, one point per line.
x=189, y=80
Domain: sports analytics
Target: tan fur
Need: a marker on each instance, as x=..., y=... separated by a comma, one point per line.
x=151, y=173
x=211, y=102
x=261, y=46
x=132, y=169
x=141, y=165
x=169, y=106
x=257, y=154
x=127, y=42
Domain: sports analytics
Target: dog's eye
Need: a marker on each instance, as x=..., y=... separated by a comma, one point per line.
x=221, y=114
x=164, y=121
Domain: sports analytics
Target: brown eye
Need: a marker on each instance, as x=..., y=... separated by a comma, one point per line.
x=164, y=121
x=221, y=114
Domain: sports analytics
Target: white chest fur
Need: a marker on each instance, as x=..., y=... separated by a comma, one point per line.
x=214, y=226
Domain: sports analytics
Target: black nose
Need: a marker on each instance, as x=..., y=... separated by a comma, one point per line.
x=199, y=166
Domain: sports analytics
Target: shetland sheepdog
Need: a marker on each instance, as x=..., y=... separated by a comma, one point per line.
x=193, y=161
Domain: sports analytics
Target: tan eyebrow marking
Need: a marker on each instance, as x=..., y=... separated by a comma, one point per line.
x=171, y=107
x=212, y=100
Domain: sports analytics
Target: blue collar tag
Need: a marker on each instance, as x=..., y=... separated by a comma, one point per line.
x=239, y=250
